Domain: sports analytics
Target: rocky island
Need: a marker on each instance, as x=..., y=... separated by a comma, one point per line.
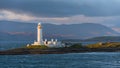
x=75, y=48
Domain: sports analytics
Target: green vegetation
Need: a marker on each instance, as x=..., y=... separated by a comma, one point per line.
x=98, y=45
x=77, y=45
x=37, y=46
x=104, y=45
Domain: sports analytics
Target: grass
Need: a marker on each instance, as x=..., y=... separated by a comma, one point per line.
x=77, y=45
x=37, y=47
x=104, y=45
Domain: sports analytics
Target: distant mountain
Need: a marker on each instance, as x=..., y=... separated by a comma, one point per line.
x=104, y=38
x=27, y=31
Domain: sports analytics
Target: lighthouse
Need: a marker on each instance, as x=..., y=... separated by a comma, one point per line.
x=39, y=42
x=39, y=34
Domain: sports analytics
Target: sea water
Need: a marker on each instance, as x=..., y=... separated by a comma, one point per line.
x=71, y=60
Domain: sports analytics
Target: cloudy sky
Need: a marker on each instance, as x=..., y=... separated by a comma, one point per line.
x=106, y=12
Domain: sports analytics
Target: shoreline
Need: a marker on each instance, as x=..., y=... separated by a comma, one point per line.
x=25, y=51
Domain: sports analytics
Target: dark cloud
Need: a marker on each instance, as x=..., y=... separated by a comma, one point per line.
x=63, y=8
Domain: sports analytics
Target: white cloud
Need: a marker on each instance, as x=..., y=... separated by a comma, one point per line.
x=116, y=29
x=13, y=16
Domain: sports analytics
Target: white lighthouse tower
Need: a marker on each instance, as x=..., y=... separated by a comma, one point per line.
x=39, y=34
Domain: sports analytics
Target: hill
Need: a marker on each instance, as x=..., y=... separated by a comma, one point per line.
x=27, y=31
x=104, y=38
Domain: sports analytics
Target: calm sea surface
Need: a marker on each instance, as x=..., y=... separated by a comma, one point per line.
x=71, y=60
